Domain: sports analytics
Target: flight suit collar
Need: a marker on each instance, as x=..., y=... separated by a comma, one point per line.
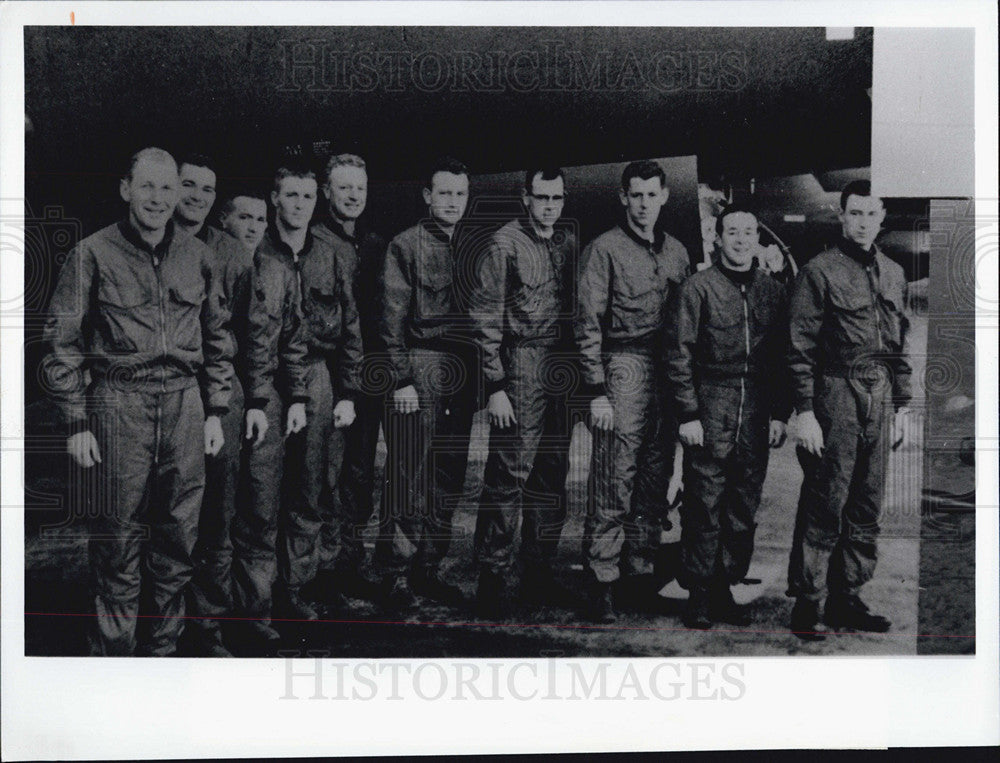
x=659, y=236
x=131, y=235
x=738, y=277
x=863, y=257
x=431, y=226
x=285, y=249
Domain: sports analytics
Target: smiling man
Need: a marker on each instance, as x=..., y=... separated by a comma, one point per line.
x=629, y=276
x=423, y=327
x=725, y=346
x=346, y=190
x=138, y=308
x=520, y=312
x=847, y=337
x=196, y=196
x=244, y=217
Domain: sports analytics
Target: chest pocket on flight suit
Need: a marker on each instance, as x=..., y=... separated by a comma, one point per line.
x=725, y=331
x=637, y=302
x=852, y=320
x=322, y=308
x=125, y=308
x=434, y=291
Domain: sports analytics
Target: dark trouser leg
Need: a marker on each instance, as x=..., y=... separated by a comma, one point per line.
x=427, y=455
x=852, y=563
x=312, y=466
x=210, y=592
x=826, y=485
x=357, y=480
x=174, y=506
x=613, y=464
x=705, y=476
x=127, y=439
x=513, y=451
x=255, y=525
x=738, y=527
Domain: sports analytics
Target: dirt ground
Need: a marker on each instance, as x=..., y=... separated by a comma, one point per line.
x=56, y=597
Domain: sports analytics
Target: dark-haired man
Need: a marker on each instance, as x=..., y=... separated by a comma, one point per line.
x=725, y=348
x=345, y=188
x=629, y=275
x=520, y=310
x=847, y=336
x=238, y=518
x=424, y=328
x=313, y=458
x=198, y=190
x=138, y=308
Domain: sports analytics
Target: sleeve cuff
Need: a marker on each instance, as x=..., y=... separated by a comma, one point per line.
x=216, y=410
x=804, y=405
x=495, y=386
x=258, y=403
x=595, y=390
x=406, y=381
x=76, y=426
x=300, y=399
x=685, y=418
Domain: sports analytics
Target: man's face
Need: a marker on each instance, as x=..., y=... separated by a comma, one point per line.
x=151, y=193
x=347, y=191
x=197, y=194
x=643, y=201
x=861, y=219
x=545, y=202
x=246, y=221
x=739, y=239
x=295, y=201
x=447, y=197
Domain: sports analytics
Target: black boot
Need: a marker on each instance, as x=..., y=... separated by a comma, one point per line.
x=806, y=623
x=850, y=613
x=429, y=584
x=601, y=604
x=493, y=600
x=696, y=612
x=722, y=608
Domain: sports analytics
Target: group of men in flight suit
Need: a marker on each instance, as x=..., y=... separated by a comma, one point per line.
x=229, y=384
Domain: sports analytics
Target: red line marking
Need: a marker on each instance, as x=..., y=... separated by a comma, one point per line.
x=564, y=626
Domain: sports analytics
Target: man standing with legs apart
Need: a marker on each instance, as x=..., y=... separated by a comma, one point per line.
x=725, y=348
x=346, y=190
x=137, y=308
x=424, y=328
x=313, y=457
x=520, y=310
x=849, y=371
x=629, y=275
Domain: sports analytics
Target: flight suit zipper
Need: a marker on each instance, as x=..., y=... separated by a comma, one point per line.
x=878, y=326
x=746, y=360
x=163, y=372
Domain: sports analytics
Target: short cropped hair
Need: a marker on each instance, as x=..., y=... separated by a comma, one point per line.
x=444, y=164
x=546, y=173
x=152, y=154
x=344, y=160
x=196, y=160
x=232, y=195
x=644, y=170
x=292, y=169
x=855, y=188
x=732, y=209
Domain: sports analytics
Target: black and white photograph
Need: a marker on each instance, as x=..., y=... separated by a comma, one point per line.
x=490, y=342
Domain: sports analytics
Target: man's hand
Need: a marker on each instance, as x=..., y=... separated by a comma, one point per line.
x=213, y=436
x=500, y=410
x=901, y=424
x=776, y=434
x=256, y=426
x=809, y=434
x=692, y=433
x=602, y=414
x=83, y=448
x=343, y=414
x=296, y=418
x=406, y=399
